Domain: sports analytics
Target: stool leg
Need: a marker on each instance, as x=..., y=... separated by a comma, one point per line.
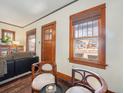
x=32, y=91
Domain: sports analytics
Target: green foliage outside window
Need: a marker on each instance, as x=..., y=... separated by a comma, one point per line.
x=6, y=39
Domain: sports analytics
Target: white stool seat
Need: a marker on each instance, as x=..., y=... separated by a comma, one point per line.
x=42, y=80
x=78, y=89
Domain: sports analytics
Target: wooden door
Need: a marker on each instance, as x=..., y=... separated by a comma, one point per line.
x=48, y=42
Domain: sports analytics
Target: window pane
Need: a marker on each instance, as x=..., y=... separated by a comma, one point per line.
x=77, y=47
x=31, y=43
x=5, y=34
x=50, y=34
x=47, y=35
x=80, y=30
x=8, y=34
x=92, y=48
x=90, y=28
x=84, y=29
x=76, y=31
x=86, y=49
x=95, y=28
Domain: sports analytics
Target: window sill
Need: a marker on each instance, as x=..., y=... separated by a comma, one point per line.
x=101, y=66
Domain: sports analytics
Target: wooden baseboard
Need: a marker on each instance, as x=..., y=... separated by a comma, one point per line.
x=64, y=77
x=109, y=91
x=69, y=78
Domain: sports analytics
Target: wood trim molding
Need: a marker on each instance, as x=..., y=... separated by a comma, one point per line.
x=40, y=17
x=10, y=24
x=33, y=31
x=64, y=76
x=48, y=24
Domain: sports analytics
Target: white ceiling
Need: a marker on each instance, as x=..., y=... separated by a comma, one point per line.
x=23, y=12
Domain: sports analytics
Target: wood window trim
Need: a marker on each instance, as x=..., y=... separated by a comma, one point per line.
x=101, y=58
x=8, y=31
x=30, y=32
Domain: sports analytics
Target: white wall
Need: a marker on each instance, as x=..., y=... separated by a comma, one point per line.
x=19, y=34
x=113, y=73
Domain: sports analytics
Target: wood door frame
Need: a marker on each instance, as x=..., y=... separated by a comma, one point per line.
x=30, y=32
x=51, y=23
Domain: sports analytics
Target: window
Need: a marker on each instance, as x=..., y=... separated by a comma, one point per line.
x=8, y=33
x=31, y=41
x=87, y=37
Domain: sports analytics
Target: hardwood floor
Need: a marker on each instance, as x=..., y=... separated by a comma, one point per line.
x=23, y=85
